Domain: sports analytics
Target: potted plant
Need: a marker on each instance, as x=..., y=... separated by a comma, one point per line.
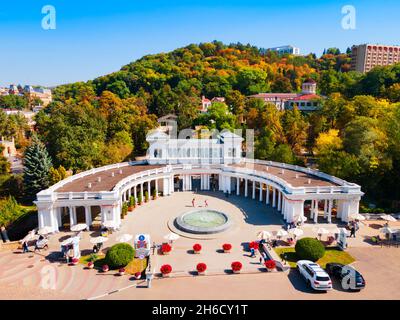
x=146, y=196
x=121, y=271
x=166, y=270
x=227, y=247
x=105, y=268
x=74, y=261
x=154, y=194
x=124, y=210
x=138, y=275
x=236, y=266
x=270, y=265
x=140, y=200
x=166, y=248
x=197, y=248
x=132, y=203
x=201, y=268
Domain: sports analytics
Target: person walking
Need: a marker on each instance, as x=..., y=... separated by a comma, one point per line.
x=193, y=202
x=25, y=247
x=206, y=203
x=353, y=232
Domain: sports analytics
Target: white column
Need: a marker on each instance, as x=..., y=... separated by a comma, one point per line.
x=316, y=211
x=156, y=185
x=129, y=193
x=325, y=208
x=246, y=191
x=330, y=203
x=141, y=192
x=273, y=197
x=172, y=187
x=135, y=193
x=149, y=189
x=261, y=191
x=267, y=196
x=71, y=216
x=279, y=200
x=220, y=183
x=88, y=217
x=284, y=206
x=228, y=183
x=254, y=189
x=59, y=217
x=53, y=219
x=237, y=186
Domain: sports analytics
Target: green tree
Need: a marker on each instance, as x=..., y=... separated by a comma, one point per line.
x=37, y=164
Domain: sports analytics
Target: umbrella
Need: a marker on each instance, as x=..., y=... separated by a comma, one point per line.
x=281, y=233
x=79, y=227
x=43, y=231
x=385, y=230
x=388, y=218
x=29, y=237
x=67, y=241
x=109, y=224
x=264, y=235
x=171, y=236
x=124, y=238
x=296, y=232
x=301, y=219
x=357, y=216
x=98, y=240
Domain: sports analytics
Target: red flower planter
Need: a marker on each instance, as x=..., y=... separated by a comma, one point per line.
x=236, y=266
x=74, y=261
x=121, y=271
x=201, y=268
x=197, y=248
x=227, y=247
x=90, y=265
x=105, y=268
x=253, y=245
x=166, y=269
x=270, y=265
x=166, y=248
x=138, y=275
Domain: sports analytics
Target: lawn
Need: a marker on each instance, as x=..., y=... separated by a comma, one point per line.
x=136, y=265
x=331, y=255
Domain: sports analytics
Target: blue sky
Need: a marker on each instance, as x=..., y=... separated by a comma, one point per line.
x=96, y=37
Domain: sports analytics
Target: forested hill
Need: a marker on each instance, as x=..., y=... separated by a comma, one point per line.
x=355, y=134
x=181, y=77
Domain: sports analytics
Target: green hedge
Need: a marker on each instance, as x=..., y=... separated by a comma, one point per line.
x=309, y=249
x=119, y=255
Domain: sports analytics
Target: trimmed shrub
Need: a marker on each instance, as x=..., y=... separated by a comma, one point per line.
x=197, y=247
x=119, y=255
x=166, y=269
x=201, y=267
x=236, y=266
x=270, y=264
x=309, y=249
x=166, y=248
x=227, y=246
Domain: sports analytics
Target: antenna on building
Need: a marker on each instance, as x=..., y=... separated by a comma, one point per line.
x=99, y=179
x=89, y=185
x=309, y=181
x=112, y=174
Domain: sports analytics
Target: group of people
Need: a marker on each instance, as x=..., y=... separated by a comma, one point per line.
x=194, y=202
x=40, y=243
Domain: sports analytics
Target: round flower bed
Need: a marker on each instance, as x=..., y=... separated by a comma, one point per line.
x=236, y=266
x=270, y=265
x=90, y=265
x=253, y=245
x=227, y=247
x=166, y=248
x=138, y=275
x=201, y=268
x=74, y=261
x=105, y=268
x=166, y=270
x=197, y=248
x=121, y=271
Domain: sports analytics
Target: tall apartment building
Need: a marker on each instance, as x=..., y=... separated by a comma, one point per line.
x=367, y=56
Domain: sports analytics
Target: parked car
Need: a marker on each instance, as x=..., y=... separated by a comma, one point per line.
x=349, y=277
x=315, y=276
